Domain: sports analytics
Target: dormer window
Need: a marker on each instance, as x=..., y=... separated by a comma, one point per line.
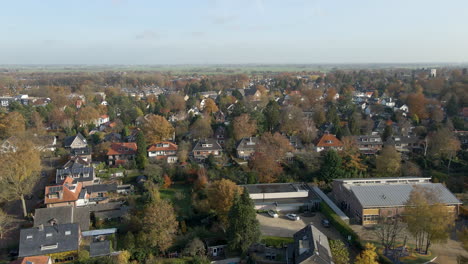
x=328, y=141
x=207, y=145
x=29, y=237
x=48, y=234
x=68, y=232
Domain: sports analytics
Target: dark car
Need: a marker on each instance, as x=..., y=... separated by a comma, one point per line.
x=325, y=223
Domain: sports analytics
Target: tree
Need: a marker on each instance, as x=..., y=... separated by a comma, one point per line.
x=183, y=151
x=308, y=131
x=176, y=102
x=388, y=132
x=339, y=252
x=5, y=223
x=12, y=124
x=243, y=126
x=243, y=229
x=154, y=172
x=291, y=120
x=122, y=258
x=201, y=128
x=221, y=195
x=443, y=144
x=272, y=115
x=141, y=147
x=269, y=153
x=159, y=224
x=157, y=128
x=196, y=247
x=210, y=106
x=417, y=105
x=20, y=171
x=331, y=168
x=87, y=115
x=367, y=256
x=388, y=230
x=428, y=219
x=167, y=181
x=351, y=157
x=388, y=162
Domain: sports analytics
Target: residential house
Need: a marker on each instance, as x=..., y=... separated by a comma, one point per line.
x=327, y=142
x=70, y=193
x=216, y=248
x=33, y=260
x=163, y=150
x=310, y=247
x=101, y=120
x=406, y=144
x=253, y=94
x=205, y=147
x=62, y=215
x=113, y=137
x=50, y=240
x=83, y=153
x=75, y=142
x=78, y=169
x=99, y=248
x=368, y=199
x=121, y=153
x=219, y=117
x=42, y=143
x=369, y=144
x=246, y=147
x=220, y=135
x=100, y=193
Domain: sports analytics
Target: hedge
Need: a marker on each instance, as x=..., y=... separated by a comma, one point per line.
x=340, y=225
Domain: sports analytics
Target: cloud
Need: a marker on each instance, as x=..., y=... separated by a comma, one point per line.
x=147, y=34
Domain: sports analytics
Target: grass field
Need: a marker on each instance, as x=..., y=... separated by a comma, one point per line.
x=180, y=196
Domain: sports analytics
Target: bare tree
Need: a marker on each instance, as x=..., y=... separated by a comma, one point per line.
x=388, y=230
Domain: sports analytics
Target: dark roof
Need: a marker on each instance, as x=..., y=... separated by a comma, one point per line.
x=80, y=151
x=276, y=187
x=248, y=143
x=109, y=214
x=78, y=172
x=99, y=248
x=311, y=246
x=49, y=239
x=69, y=140
x=102, y=188
x=207, y=144
x=62, y=215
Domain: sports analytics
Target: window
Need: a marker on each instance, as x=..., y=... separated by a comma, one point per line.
x=49, y=247
x=29, y=237
x=48, y=235
x=68, y=232
x=371, y=218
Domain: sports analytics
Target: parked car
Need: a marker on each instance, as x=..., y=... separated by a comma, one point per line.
x=325, y=223
x=273, y=213
x=293, y=217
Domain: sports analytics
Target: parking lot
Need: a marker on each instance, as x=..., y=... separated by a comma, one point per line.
x=284, y=227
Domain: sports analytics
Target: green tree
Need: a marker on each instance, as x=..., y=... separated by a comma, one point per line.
x=331, y=168
x=272, y=115
x=196, y=247
x=388, y=162
x=244, y=228
x=388, y=132
x=339, y=252
x=141, y=155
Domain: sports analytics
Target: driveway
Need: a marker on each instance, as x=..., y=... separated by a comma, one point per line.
x=283, y=227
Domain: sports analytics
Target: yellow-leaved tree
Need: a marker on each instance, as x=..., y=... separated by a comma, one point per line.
x=367, y=256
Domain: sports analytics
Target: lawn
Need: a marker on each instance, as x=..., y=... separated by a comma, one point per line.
x=180, y=196
x=278, y=242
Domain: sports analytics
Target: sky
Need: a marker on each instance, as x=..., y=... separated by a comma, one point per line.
x=232, y=31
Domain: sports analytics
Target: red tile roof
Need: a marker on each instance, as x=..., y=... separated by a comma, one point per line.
x=329, y=140
x=122, y=149
x=155, y=147
x=35, y=260
x=67, y=194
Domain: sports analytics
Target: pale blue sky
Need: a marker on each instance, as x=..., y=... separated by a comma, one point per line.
x=232, y=31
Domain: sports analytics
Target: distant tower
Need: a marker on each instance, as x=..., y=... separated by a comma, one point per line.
x=433, y=73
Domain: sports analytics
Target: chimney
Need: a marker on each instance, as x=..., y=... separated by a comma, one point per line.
x=41, y=227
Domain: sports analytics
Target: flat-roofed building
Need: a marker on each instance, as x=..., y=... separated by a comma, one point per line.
x=366, y=200
x=283, y=196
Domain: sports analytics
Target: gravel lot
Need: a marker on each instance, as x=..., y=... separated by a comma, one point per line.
x=283, y=227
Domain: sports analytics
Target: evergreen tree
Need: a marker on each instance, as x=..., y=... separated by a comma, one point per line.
x=141, y=155
x=452, y=106
x=331, y=168
x=272, y=115
x=388, y=132
x=244, y=228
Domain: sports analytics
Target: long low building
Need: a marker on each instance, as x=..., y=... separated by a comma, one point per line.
x=366, y=200
x=283, y=196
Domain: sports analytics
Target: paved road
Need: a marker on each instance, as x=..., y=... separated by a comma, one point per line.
x=283, y=227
